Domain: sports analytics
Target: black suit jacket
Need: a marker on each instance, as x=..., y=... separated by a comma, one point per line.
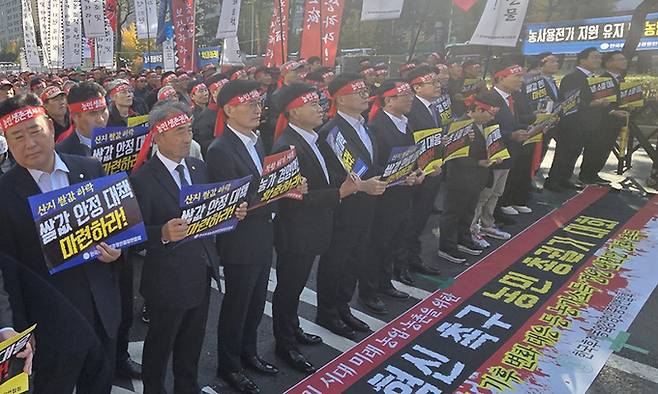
x=203, y=128
x=358, y=209
x=587, y=118
x=510, y=122
x=252, y=240
x=174, y=275
x=420, y=118
x=611, y=121
x=71, y=145
x=304, y=227
x=90, y=290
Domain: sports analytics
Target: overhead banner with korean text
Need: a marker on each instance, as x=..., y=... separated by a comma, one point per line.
x=146, y=18
x=378, y=10
x=277, y=39
x=321, y=30
x=73, y=220
x=210, y=208
x=117, y=147
x=72, y=53
x=500, y=23
x=29, y=37
x=229, y=17
x=535, y=316
x=182, y=17
x=93, y=17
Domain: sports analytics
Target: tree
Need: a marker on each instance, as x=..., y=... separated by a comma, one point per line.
x=10, y=52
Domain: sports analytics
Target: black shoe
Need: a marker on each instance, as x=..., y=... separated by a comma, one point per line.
x=392, y=292
x=554, y=187
x=571, y=185
x=601, y=181
x=469, y=247
x=257, y=364
x=423, y=268
x=145, y=315
x=240, y=381
x=374, y=304
x=129, y=369
x=307, y=339
x=404, y=276
x=453, y=256
x=587, y=180
x=337, y=326
x=296, y=360
x=353, y=322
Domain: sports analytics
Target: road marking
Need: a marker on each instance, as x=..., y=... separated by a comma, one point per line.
x=620, y=342
x=633, y=367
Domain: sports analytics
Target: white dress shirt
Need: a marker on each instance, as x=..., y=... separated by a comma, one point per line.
x=51, y=181
x=311, y=138
x=400, y=123
x=249, y=142
x=171, y=167
x=358, y=125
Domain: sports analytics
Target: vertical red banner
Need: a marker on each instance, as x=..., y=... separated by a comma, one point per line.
x=111, y=13
x=277, y=41
x=182, y=14
x=321, y=29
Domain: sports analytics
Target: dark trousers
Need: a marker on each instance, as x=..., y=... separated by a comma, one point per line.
x=458, y=209
x=569, y=145
x=597, y=149
x=89, y=370
x=126, y=290
x=339, y=269
x=517, y=187
x=421, y=208
x=176, y=330
x=241, y=313
x=292, y=271
x=391, y=215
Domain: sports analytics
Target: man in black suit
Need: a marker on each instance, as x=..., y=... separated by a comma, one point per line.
x=389, y=124
x=77, y=310
x=176, y=275
x=204, y=126
x=246, y=253
x=549, y=66
x=422, y=116
x=123, y=103
x=599, y=145
x=345, y=260
x=574, y=129
x=302, y=228
x=88, y=99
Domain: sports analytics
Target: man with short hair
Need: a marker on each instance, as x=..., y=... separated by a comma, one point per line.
x=122, y=103
x=204, y=125
x=199, y=95
x=54, y=100
x=6, y=90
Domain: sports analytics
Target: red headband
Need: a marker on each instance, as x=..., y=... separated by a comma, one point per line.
x=20, y=115
x=293, y=65
x=166, y=92
x=167, y=124
x=238, y=74
x=407, y=67
x=381, y=71
x=471, y=100
x=400, y=88
x=197, y=87
x=121, y=88
x=328, y=74
x=168, y=78
x=220, y=122
x=511, y=70
x=368, y=71
x=427, y=78
x=282, y=121
x=352, y=87
x=93, y=104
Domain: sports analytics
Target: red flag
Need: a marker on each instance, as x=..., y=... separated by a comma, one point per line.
x=111, y=13
x=182, y=12
x=321, y=30
x=465, y=5
x=277, y=41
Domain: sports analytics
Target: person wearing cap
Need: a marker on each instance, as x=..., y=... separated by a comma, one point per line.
x=388, y=122
x=345, y=261
x=54, y=100
x=199, y=95
x=246, y=252
x=88, y=110
x=122, y=103
x=237, y=72
x=176, y=276
x=513, y=118
x=422, y=116
x=207, y=71
x=6, y=90
x=302, y=227
x=434, y=58
x=37, y=86
x=141, y=88
x=465, y=178
x=574, y=129
x=597, y=146
x=167, y=93
x=290, y=72
x=405, y=68
x=77, y=311
x=205, y=124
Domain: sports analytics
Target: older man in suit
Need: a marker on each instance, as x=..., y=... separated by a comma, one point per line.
x=77, y=311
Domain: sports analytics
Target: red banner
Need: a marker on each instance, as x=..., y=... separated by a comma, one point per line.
x=182, y=13
x=321, y=29
x=111, y=13
x=277, y=41
x=465, y=5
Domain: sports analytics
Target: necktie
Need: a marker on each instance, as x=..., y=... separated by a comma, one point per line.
x=181, y=175
x=435, y=116
x=510, y=104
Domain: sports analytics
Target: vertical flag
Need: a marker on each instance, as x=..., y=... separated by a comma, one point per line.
x=29, y=38
x=500, y=23
x=228, y=19
x=321, y=29
x=182, y=13
x=277, y=41
x=464, y=5
x=378, y=10
x=43, y=11
x=72, y=33
x=146, y=18
x=168, y=55
x=231, y=54
x=93, y=18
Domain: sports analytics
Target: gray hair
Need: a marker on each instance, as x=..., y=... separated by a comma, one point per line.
x=113, y=84
x=163, y=109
